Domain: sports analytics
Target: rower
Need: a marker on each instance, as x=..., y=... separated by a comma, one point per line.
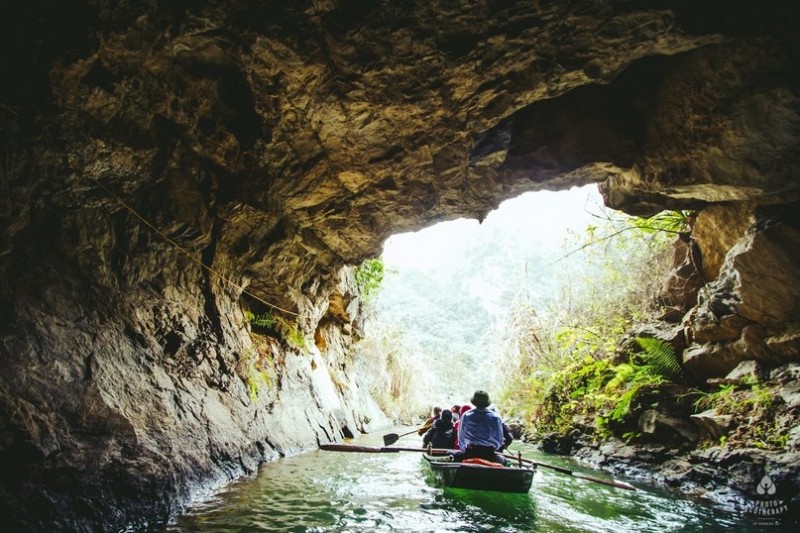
x=480, y=434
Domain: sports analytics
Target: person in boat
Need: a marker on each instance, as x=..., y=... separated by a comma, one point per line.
x=463, y=409
x=508, y=436
x=480, y=432
x=435, y=413
x=441, y=435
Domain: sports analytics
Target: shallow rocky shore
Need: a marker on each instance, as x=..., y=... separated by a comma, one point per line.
x=687, y=455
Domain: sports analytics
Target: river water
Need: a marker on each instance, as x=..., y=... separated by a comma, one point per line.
x=324, y=491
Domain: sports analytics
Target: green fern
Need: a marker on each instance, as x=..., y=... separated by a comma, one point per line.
x=660, y=356
x=623, y=405
x=291, y=333
x=666, y=221
x=287, y=331
x=266, y=320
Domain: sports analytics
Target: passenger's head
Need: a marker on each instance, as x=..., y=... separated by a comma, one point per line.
x=481, y=399
x=436, y=411
x=446, y=416
x=464, y=409
x=455, y=409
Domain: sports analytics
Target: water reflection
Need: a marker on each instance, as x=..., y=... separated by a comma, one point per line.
x=490, y=511
x=333, y=492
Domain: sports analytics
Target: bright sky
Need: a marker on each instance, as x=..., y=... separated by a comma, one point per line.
x=553, y=212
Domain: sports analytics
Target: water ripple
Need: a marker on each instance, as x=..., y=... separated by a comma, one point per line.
x=322, y=492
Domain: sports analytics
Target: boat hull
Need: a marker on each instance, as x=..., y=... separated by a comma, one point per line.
x=479, y=477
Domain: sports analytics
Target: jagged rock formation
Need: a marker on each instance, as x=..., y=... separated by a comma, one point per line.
x=278, y=143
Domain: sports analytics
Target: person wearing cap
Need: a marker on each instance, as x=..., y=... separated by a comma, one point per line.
x=480, y=432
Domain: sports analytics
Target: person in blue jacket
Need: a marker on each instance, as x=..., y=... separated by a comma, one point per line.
x=480, y=432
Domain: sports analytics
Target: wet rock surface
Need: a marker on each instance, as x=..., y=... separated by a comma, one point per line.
x=725, y=455
x=723, y=475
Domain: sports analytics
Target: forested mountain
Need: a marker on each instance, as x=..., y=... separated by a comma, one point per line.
x=448, y=290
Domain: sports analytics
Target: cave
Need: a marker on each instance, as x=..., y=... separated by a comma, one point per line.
x=168, y=168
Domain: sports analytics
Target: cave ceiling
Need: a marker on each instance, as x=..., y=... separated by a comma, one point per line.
x=283, y=139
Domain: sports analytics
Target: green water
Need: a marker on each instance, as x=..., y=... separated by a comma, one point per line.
x=332, y=491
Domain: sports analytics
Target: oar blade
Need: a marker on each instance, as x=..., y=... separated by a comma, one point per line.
x=390, y=439
x=609, y=482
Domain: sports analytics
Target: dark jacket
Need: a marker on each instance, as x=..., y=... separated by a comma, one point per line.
x=508, y=437
x=441, y=435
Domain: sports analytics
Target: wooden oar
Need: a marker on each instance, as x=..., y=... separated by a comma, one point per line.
x=561, y=469
x=391, y=438
x=395, y=449
x=358, y=449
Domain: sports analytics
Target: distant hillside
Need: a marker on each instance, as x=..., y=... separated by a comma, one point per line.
x=447, y=292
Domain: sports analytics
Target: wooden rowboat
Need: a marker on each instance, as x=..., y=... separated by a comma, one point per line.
x=481, y=476
x=517, y=478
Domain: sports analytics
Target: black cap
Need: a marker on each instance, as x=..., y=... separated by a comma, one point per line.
x=481, y=399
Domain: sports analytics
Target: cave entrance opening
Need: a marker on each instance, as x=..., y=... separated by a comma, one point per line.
x=441, y=324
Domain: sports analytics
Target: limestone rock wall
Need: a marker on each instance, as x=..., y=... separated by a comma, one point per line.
x=121, y=404
x=278, y=143
x=751, y=309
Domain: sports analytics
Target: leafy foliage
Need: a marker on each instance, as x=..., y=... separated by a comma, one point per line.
x=256, y=367
x=587, y=391
x=661, y=357
x=276, y=325
x=266, y=321
x=510, y=313
x=721, y=399
x=665, y=221
x=369, y=276
x=575, y=376
x=754, y=407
